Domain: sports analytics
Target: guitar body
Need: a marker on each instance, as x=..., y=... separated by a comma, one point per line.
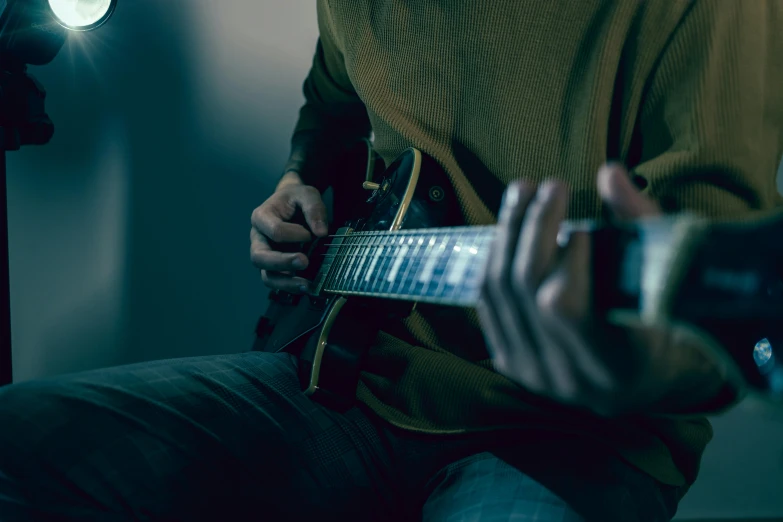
x=330, y=334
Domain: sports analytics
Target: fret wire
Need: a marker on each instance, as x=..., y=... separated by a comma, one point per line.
x=462, y=262
x=472, y=243
x=361, y=256
x=372, y=262
x=368, y=253
x=469, y=288
x=400, y=251
x=416, y=257
x=330, y=270
x=384, y=265
x=459, y=261
x=430, y=264
x=440, y=251
x=397, y=246
x=339, y=263
x=328, y=275
x=442, y=284
x=321, y=274
x=488, y=242
x=419, y=263
x=344, y=260
x=405, y=263
x=374, y=256
x=380, y=256
x=325, y=271
x=352, y=263
x=439, y=274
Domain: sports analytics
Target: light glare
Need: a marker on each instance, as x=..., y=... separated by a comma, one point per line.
x=80, y=13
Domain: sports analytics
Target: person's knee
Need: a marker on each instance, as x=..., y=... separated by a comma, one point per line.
x=31, y=420
x=31, y=414
x=50, y=431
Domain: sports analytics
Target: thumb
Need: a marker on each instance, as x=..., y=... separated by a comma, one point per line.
x=309, y=201
x=620, y=195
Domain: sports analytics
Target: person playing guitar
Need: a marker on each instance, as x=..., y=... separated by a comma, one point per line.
x=564, y=376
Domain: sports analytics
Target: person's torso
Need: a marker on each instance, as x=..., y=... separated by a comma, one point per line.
x=497, y=91
x=508, y=89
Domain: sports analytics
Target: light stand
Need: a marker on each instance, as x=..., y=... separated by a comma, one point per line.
x=6, y=357
x=23, y=121
x=31, y=32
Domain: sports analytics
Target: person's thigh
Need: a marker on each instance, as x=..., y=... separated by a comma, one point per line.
x=208, y=438
x=484, y=488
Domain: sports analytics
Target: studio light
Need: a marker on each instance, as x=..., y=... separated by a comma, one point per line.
x=82, y=15
x=32, y=32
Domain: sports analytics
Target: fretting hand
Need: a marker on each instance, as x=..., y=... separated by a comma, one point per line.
x=536, y=305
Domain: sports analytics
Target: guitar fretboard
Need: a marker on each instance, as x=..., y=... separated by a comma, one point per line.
x=443, y=266
x=446, y=265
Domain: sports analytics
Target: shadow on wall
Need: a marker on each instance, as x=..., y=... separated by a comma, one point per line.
x=209, y=137
x=129, y=231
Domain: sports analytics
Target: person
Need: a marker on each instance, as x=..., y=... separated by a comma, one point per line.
x=520, y=409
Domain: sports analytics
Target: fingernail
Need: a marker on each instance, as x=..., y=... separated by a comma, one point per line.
x=614, y=165
x=299, y=263
x=613, y=178
x=548, y=190
x=607, y=170
x=511, y=195
x=320, y=228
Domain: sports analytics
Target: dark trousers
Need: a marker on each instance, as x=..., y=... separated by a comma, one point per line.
x=232, y=438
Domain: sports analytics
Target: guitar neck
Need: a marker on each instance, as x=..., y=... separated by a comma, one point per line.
x=637, y=267
x=725, y=280
x=443, y=265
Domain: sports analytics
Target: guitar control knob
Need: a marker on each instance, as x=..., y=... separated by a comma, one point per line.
x=369, y=185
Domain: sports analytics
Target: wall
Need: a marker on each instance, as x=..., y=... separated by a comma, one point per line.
x=129, y=232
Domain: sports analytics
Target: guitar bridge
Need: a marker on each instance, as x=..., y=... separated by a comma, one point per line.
x=284, y=298
x=317, y=302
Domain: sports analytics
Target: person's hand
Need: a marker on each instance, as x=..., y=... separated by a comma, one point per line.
x=535, y=306
x=271, y=223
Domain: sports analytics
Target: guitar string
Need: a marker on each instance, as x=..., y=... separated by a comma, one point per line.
x=359, y=244
x=343, y=281
x=395, y=239
x=571, y=225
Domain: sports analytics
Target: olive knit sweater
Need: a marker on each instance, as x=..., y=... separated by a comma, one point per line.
x=687, y=93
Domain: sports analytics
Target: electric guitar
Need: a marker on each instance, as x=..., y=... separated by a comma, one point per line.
x=722, y=280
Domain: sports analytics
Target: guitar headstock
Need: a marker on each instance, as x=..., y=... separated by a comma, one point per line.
x=723, y=281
